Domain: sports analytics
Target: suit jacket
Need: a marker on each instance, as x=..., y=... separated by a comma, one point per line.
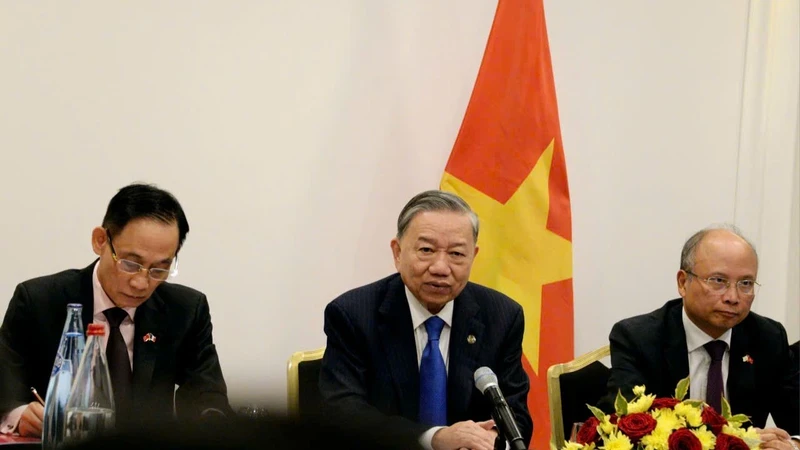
x=183, y=354
x=370, y=365
x=651, y=349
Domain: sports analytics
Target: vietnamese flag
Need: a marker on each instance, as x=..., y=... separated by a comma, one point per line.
x=508, y=164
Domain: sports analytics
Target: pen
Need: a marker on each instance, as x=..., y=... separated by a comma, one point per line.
x=33, y=389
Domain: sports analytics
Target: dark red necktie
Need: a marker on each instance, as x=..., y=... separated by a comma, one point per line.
x=715, y=349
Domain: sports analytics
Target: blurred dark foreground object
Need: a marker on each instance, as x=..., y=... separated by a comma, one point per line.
x=247, y=433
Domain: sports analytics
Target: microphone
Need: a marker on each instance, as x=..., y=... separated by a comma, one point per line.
x=486, y=382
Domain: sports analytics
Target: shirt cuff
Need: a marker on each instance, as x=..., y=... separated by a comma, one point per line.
x=426, y=440
x=10, y=421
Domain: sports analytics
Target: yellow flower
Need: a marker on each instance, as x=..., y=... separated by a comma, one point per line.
x=638, y=390
x=606, y=427
x=749, y=436
x=657, y=440
x=733, y=431
x=706, y=437
x=572, y=446
x=693, y=415
x=641, y=404
x=667, y=420
x=617, y=441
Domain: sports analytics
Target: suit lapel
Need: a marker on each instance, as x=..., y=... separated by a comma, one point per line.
x=463, y=354
x=741, y=372
x=85, y=295
x=149, y=320
x=397, y=338
x=675, y=351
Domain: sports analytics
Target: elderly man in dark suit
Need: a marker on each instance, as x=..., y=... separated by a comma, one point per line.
x=403, y=350
x=711, y=335
x=159, y=334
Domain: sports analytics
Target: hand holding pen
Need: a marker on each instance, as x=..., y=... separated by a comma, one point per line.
x=30, y=423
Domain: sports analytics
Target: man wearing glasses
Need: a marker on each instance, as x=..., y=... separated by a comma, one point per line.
x=711, y=335
x=158, y=333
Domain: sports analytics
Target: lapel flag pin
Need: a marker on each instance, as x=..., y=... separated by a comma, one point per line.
x=747, y=359
x=149, y=337
x=471, y=339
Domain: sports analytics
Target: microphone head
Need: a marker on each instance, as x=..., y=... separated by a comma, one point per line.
x=484, y=378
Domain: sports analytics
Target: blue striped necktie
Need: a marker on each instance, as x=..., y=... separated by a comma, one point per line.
x=433, y=378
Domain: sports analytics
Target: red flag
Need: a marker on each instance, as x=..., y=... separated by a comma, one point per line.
x=508, y=164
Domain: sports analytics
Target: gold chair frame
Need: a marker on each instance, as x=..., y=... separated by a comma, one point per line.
x=293, y=377
x=554, y=373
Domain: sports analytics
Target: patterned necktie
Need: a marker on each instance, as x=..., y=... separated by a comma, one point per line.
x=433, y=378
x=715, y=349
x=119, y=364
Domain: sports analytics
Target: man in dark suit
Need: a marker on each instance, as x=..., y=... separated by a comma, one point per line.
x=403, y=350
x=753, y=368
x=159, y=334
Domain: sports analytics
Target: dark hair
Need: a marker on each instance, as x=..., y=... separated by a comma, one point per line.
x=144, y=201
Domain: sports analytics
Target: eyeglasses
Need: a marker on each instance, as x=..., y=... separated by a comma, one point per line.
x=131, y=267
x=719, y=284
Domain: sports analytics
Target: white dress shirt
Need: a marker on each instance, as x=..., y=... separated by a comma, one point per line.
x=699, y=359
x=101, y=303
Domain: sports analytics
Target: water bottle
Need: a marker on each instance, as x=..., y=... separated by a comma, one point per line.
x=90, y=408
x=68, y=355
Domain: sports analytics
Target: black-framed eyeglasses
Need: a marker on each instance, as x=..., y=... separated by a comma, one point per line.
x=133, y=268
x=718, y=284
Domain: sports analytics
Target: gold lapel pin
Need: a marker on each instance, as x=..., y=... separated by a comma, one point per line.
x=471, y=339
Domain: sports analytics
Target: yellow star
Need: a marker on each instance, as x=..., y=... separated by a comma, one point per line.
x=518, y=254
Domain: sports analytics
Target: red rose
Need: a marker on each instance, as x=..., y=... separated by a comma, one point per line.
x=636, y=425
x=684, y=439
x=728, y=442
x=588, y=432
x=713, y=420
x=664, y=402
x=613, y=418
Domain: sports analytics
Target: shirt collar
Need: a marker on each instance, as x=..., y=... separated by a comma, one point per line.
x=419, y=314
x=101, y=300
x=696, y=338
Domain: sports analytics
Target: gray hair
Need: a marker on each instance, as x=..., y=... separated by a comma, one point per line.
x=690, y=247
x=435, y=200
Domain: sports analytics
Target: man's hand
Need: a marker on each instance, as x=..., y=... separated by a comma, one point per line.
x=775, y=439
x=469, y=434
x=30, y=423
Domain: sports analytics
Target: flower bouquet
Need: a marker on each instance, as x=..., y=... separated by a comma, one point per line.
x=650, y=423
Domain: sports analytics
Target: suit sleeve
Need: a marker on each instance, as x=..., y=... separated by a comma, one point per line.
x=514, y=382
x=201, y=384
x=16, y=337
x=785, y=407
x=625, y=373
x=343, y=375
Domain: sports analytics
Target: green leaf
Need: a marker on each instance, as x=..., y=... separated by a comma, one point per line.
x=738, y=418
x=597, y=412
x=682, y=389
x=620, y=404
x=726, y=409
x=693, y=403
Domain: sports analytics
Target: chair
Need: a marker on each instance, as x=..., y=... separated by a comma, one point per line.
x=302, y=385
x=570, y=387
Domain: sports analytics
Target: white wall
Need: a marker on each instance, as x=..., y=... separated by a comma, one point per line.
x=293, y=132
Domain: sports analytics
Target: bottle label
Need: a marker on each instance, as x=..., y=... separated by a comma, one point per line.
x=57, y=364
